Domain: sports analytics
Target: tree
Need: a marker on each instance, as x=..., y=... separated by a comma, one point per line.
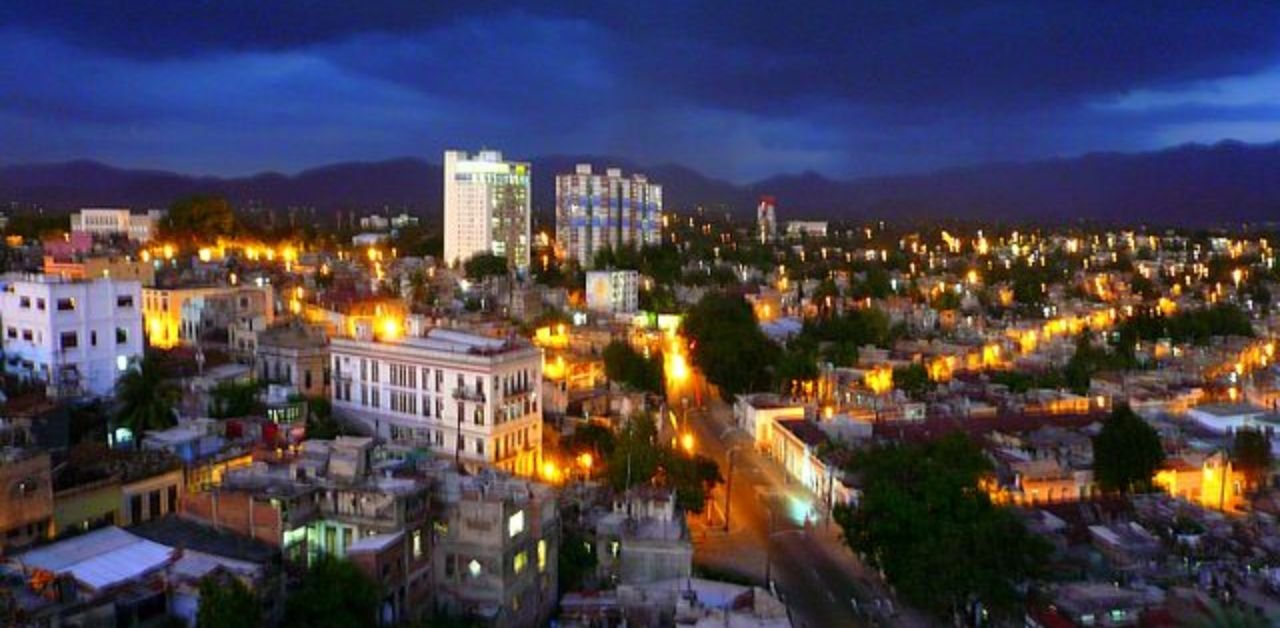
x=231, y=399
x=198, y=219
x=635, y=453
x=624, y=365
x=484, y=265
x=146, y=398
x=320, y=421
x=1251, y=454
x=227, y=603
x=333, y=593
x=938, y=538
x=1126, y=453
x=727, y=344
x=913, y=380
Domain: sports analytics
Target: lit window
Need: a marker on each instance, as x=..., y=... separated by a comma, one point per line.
x=515, y=524
x=474, y=568
x=542, y=556
x=417, y=544
x=519, y=562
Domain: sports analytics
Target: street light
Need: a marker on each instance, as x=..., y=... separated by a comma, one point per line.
x=687, y=442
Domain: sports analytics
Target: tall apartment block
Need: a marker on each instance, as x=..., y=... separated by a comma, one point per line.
x=600, y=211
x=767, y=219
x=486, y=208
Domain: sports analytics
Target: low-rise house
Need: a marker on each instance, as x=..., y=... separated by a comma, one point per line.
x=26, y=497
x=644, y=539
x=496, y=548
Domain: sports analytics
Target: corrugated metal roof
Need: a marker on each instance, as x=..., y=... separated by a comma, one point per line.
x=101, y=558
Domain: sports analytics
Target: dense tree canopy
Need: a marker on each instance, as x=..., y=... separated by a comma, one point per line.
x=227, y=603
x=728, y=345
x=938, y=538
x=334, y=593
x=639, y=457
x=484, y=265
x=146, y=398
x=624, y=365
x=198, y=219
x=1126, y=453
x=1251, y=454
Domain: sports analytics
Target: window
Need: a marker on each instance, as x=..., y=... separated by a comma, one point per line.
x=66, y=304
x=24, y=303
x=122, y=336
x=135, y=508
x=519, y=562
x=473, y=568
x=515, y=524
x=40, y=304
x=155, y=504
x=542, y=556
x=69, y=340
x=417, y=544
x=480, y=446
x=125, y=300
x=12, y=333
x=93, y=338
x=173, y=498
x=26, y=335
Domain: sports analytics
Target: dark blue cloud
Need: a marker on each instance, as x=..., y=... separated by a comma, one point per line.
x=741, y=90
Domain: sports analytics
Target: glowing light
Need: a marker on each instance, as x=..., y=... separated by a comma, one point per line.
x=168, y=251
x=389, y=328
x=205, y=254
x=687, y=442
x=879, y=379
x=586, y=460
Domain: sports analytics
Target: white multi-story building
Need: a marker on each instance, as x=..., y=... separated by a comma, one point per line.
x=101, y=221
x=486, y=208
x=767, y=219
x=613, y=291
x=471, y=397
x=605, y=211
x=78, y=336
x=806, y=229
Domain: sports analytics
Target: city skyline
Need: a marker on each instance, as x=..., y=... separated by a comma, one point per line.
x=848, y=92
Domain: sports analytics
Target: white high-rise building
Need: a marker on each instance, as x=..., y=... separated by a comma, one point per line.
x=767, y=219
x=77, y=336
x=117, y=221
x=486, y=208
x=605, y=211
x=462, y=395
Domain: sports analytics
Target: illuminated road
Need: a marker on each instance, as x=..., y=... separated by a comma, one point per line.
x=816, y=576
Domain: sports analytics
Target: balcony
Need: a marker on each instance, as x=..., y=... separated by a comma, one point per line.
x=468, y=394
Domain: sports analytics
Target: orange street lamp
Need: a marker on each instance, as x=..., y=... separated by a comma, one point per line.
x=687, y=442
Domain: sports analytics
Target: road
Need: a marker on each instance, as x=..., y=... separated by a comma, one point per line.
x=776, y=528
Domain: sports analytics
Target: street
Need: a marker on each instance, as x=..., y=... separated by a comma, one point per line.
x=779, y=533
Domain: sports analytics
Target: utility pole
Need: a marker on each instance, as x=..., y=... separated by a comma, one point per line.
x=728, y=490
x=768, y=550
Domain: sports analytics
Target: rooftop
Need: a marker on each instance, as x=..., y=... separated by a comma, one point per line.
x=101, y=558
x=176, y=531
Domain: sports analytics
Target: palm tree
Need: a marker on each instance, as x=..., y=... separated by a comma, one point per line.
x=146, y=398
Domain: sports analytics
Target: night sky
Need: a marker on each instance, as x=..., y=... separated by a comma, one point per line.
x=740, y=90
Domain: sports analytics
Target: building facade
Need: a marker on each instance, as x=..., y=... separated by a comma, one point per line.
x=497, y=548
x=767, y=219
x=107, y=222
x=486, y=208
x=605, y=211
x=470, y=397
x=613, y=291
x=296, y=355
x=76, y=336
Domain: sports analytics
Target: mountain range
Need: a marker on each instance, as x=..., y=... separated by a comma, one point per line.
x=1198, y=185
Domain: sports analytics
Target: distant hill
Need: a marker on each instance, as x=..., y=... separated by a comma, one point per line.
x=1191, y=185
